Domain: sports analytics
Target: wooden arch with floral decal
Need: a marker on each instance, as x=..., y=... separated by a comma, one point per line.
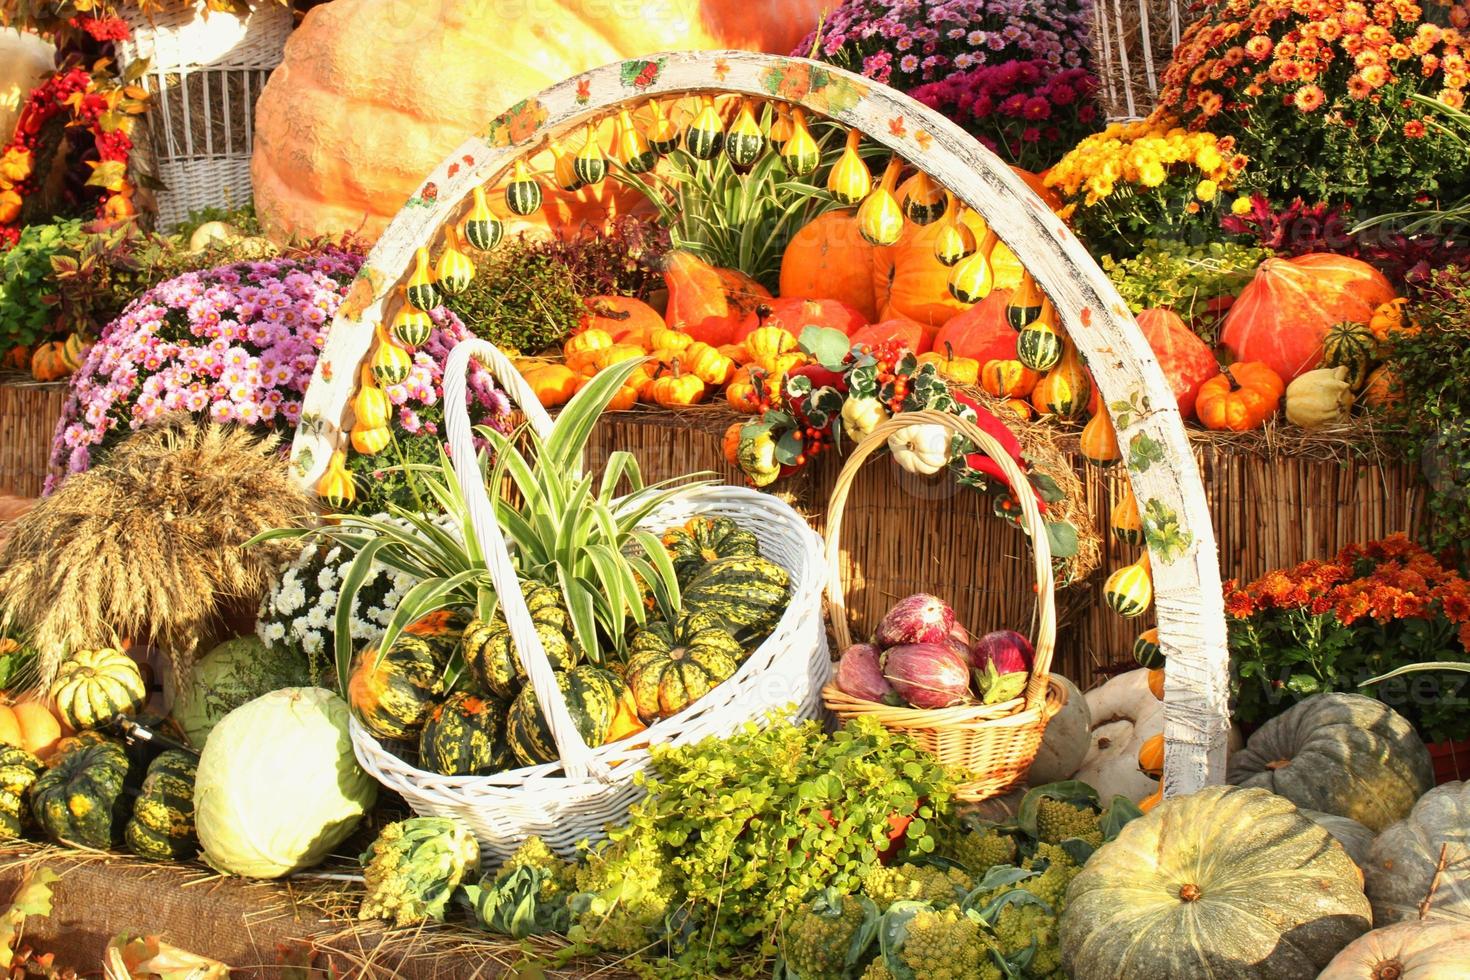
x=1160, y=466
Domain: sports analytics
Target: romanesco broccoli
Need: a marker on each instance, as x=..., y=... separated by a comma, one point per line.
x=561, y=875
x=1018, y=925
x=979, y=850
x=414, y=866
x=623, y=896
x=1057, y=821
x=915, y=882
x=824, y=938
x=942, y=944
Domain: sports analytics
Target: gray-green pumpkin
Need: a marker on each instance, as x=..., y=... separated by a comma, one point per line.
x=1404, y=859
x=1342, y=754
x=1227, y=883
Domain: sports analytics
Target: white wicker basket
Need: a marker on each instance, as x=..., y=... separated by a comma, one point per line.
x=204, y=75
x=590, y=789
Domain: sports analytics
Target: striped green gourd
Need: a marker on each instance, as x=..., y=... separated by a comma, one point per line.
x=393, y=693
x=80, y=799
x=465, y=736
x=490, y=653
x=591, y=696
x=671, y=667
x=18, y=773
x=748, y=594
x=95, y=686
x=1039, y=346
x=705, y=539
x=1353, y=346
x=1146, y=650
x=706, y=134
x=1130, y=590
x=522, y=192
x=162, y=827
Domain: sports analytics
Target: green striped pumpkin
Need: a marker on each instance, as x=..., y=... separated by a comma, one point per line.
x=704, y=540
x=80, y=799
x=1146, y=650
x=744, y=147
x=465, y=736
x=522, y=197
x=489, y=650
x=671, y=667
x=748, y=594
x=484, y=233
x=162, y=827
x=393, y=693
x=95, y=686
x=18, y=773
x=1039, y=347
x=1130, y=590
x=1353, y=346
x=591, y=695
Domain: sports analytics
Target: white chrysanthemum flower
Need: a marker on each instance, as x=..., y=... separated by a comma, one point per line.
x=327, y=577
x=313, y=643
x=271, y=633
x=317, y=618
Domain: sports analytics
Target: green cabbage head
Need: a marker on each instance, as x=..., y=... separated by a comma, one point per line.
x=278, y=785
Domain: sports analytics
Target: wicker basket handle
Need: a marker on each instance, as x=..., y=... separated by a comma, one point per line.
x=576, y=757
x=1031, y=521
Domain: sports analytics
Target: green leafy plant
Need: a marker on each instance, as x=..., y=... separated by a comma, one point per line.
x=521, y=298
x=1195, y=281
x=26, y=314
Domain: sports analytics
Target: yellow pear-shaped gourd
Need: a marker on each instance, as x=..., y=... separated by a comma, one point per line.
x=663, y=132
x=1099, y=441
x=972, y=277
x=1127, y=523
x=924, y=201
x=849, y=180
x=955, y=240
x=336, y=486
x=590, y=163
x=1024, y=305
x=744, y=141
x=370, y=442
x=706, y=134
x=1130, y=590
x=411, y=326
x=455, y=271
x=564, y=169
x=799, y=152
x=370, y=406
x=390, y=362
x=880, y=219
x=482, y=228
x=632, y=148
x=781, y=127
x=523, y=193
x=421, y=289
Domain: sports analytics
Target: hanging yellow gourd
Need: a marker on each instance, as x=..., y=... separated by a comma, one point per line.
x=1151, y=756
x=590, y=165
x=421, y=290
x=1040, y=345
x=924, y=203
x=744, y=142
x=1024, y=305
x=523, y=193
x=880, y=219
x=973, y=277
x=391, y=363
x=411, y=326
x=335, y=486
x=1099, y=441
x=632, y=149
x=455, y=271
x=370, y=412
x=781, y=128
x=563, y=169
x=849, y=180
x=481, y=228
x=1126, y=522
x=955, y=239
x=706, y=134
x=1130, y=590
x=799, y=152
x=663, y=133
x=1064, y=391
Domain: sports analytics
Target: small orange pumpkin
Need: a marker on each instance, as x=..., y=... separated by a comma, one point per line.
x=1383, y=389
x=960, y=370
x=730, y=444
x=1019, y=406
x=707, y=364
x=1008, y=379
x=677, y=388
x=667, y=338
x=581, y=349
x=735, y=352
x=1151, y=756
x=767, y=344
x=617, y=354
x=1156, y=682
x=1240, y=398
x=624, y=398
x=48, y=363
x=744, y=392
x=554, y=384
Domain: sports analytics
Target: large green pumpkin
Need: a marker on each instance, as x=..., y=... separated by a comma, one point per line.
x=1342, y=754
x=591, y=695
x=465, y=736
x=1404, y=859
x=748, y=594
x=706, y=539
x=18, y=773
x=226, y=677
x=490, y=653
x=1353, y=836
x=1228, y=883
x=392, y=692
x=80, y=799
x=671, y=667
x=162, y=827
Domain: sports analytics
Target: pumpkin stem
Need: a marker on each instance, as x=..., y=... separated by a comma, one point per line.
x=1230, y=376
x=1189, y=893
x=1391, y=970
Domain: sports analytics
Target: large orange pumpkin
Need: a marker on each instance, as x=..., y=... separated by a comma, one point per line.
x=828, y=257
x=626, y=320
x=710, y=304
x=1187, y=361
x=795, y=314
x=373, y=94
x=909, y=333
x=981, y=332
x=1282, y=317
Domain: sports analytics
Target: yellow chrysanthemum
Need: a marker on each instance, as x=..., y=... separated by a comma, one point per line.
x=1241, y=205
x=1206, y=190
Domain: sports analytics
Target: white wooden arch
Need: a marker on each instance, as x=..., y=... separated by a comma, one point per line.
x=1155, y=446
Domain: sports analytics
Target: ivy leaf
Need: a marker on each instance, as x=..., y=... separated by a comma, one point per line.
x=109, y=174
x=1063, y=539
x=827, y=345
x=1161, y=528
x=788, y=447
x=1144, y=451
x=34, y=898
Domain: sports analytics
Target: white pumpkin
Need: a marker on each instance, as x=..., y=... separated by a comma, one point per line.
x=921, y=449
x=210, y=233
x=1319, y=398
x=1066, y=741
x=1430, y=950
x=1405, y=857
